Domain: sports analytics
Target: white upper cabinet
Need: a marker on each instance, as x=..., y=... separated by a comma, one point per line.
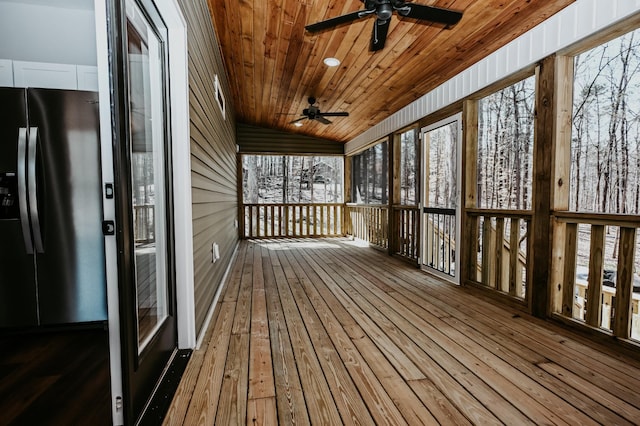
x=6, y=73
x=48, y=44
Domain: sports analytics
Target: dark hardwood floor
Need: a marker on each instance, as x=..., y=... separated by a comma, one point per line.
x=55, y=378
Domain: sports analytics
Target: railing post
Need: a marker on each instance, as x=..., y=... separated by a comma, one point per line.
x=468, y=246
x=624, y=283
x=560, y=178
x=543, y=186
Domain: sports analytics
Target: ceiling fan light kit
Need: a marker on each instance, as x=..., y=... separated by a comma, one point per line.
x=331, y=62
x=383, y=10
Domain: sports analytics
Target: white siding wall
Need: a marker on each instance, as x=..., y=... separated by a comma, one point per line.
x=574, y=23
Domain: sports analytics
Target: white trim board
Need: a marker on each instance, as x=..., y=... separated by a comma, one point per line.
x=576, y=22
x=181, y=153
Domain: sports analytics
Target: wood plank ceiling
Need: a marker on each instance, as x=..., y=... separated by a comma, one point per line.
x=275, y=65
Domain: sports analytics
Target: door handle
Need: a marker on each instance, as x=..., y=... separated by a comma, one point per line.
x=22, y=189
x=32, y=148
x=108, y=227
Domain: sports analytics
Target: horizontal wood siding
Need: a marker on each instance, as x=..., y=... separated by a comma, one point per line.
x=258, y=140
x=213, y=158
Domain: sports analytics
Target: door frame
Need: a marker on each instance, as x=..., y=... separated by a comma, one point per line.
x=182, y=209
x=456, y=118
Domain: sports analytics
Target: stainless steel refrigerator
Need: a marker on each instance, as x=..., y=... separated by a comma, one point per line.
x=51, y=244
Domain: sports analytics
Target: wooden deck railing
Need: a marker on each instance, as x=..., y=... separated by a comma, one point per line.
x=143, y=220
x=368, y=222
x=406, y=231
x=439, y=251
x=499, y=259
x=293, y=220
x=605, y=298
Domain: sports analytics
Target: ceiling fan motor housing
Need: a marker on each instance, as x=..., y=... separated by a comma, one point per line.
x=384, y=12
x=383, y=9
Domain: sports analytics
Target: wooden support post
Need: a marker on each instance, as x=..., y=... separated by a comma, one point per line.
x=469, y=237
x=543, y=153
x=561, y=176
x=395, y=223
x=241, y=208
x=624, y=283
x=348, y=185
x=593, y=315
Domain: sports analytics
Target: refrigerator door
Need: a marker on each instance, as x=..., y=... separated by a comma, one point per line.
x=70, y=262
x=18, y=297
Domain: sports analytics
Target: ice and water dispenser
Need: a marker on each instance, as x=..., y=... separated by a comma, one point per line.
x=9, y=196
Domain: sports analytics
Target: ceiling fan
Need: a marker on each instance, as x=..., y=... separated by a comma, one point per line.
x=383, y=10
x=314, y=113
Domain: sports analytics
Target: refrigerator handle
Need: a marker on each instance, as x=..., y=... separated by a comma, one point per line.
x=22, y=189
x=33, y=188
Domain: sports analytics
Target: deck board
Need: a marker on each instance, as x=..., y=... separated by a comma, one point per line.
x=326, y=332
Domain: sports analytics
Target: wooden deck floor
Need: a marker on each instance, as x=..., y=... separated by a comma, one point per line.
x=325, y=332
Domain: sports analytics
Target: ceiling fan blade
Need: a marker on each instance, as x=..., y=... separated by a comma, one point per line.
x=338, y=20
x=322, y=119
x=335, y=114
x=428, y=13
x=296, y=120
x=379, y=36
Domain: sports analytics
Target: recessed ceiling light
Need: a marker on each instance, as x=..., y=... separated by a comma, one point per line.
x=298, y=124
x=331, y=62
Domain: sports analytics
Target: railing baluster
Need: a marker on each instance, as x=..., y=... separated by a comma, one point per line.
x=515, y=271
x=499, y=251
x=486, y=244
x=569, y=274
x=593, y=315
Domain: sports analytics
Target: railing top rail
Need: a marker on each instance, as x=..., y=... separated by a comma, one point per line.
x=610, y=219
x=439, y=210
x=291, y=204
x=373, y=206
x=404, y=207
x=521, y=214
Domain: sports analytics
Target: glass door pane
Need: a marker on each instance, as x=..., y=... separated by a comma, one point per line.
x=441, y=198
x=147, y=127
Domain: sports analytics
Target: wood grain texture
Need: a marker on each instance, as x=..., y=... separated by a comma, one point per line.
x=542, y=187
x=51, y=377
x=593, y=315
x=624, y=283
x=277, y=65
x=359, y=337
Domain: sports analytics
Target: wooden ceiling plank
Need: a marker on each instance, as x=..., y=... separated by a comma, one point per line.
x=274, y=65
x=245, y=8
x=274, y=28
x=314, y=66
x=440, y=70
x=227, y=16
x=297, y=56
x=282, y=49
